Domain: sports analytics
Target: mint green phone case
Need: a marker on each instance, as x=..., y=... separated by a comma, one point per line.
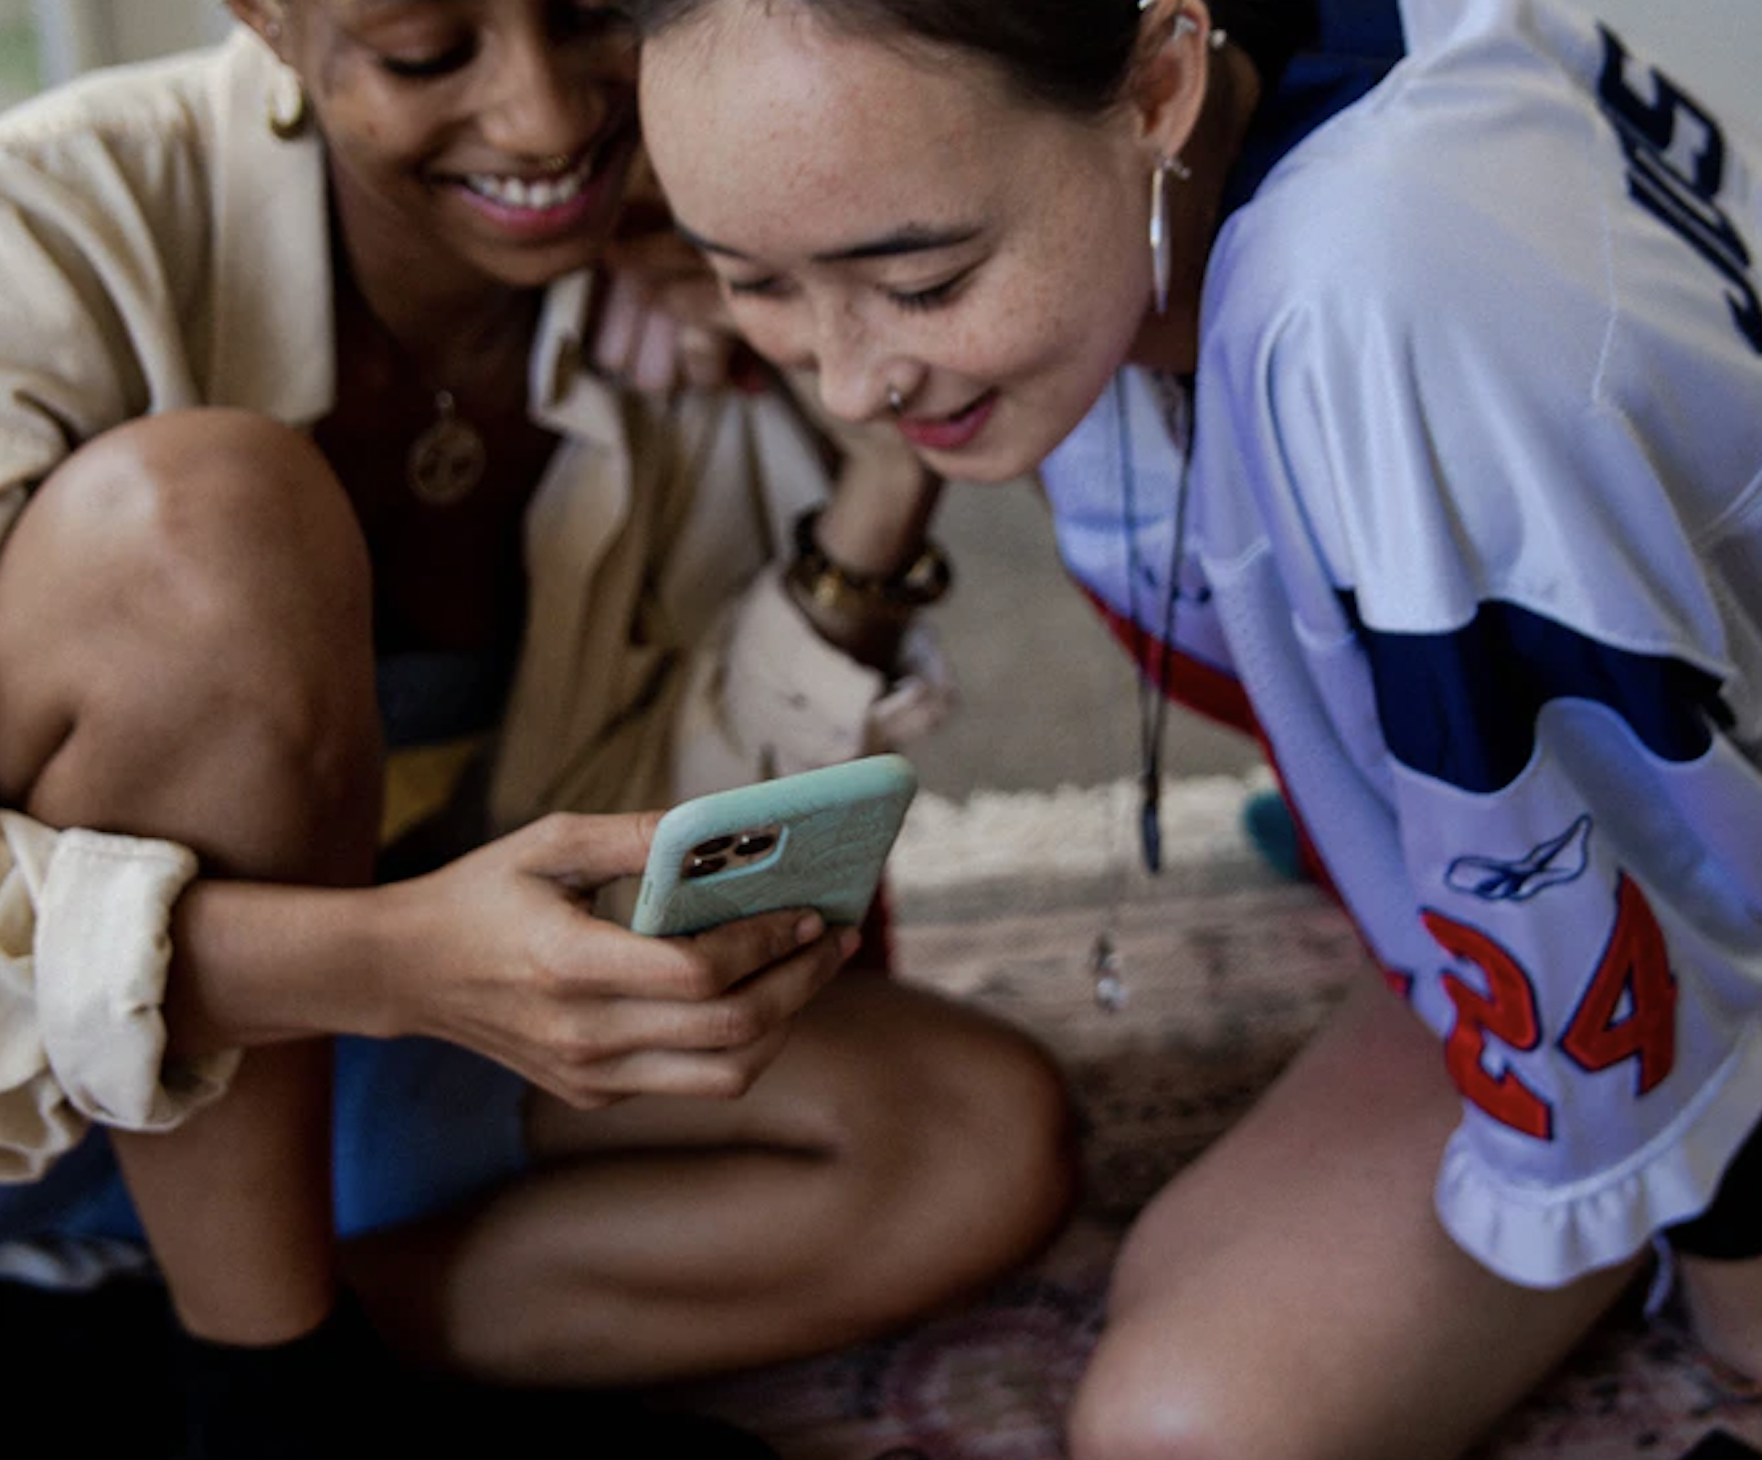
x=819, y=839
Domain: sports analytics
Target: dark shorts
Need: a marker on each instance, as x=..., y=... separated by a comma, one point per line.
x=1731, y=1228
x=420, y=1126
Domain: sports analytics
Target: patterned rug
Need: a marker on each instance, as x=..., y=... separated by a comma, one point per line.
x=1000, y=901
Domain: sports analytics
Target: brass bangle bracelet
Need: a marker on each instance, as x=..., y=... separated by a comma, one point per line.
x=837, y=590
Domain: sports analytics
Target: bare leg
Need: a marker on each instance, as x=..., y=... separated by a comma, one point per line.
x=185, y=652
x=1293, y=1297
x=900, y=1152
x=1724, y=1301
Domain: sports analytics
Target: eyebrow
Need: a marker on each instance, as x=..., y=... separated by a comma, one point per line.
x=913, y=238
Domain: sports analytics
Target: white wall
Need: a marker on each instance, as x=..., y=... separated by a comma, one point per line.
x=78, y=34
x=1714, y=47
x=146, y=27
x=1711, y=47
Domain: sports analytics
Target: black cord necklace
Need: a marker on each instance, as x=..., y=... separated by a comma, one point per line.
x=1153, y=689
x=1107, y=968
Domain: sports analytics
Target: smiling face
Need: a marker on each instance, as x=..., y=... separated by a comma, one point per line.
x=894, y=216
x=488, y=134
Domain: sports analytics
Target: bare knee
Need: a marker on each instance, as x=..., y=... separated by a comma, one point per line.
x=1131, y=1407
x=980, y=1118
x=943, y=1145
x=1010, y=1114
x=185, y=641
x=1724, y=1301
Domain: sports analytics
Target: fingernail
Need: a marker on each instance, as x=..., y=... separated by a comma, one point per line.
x=809, y=928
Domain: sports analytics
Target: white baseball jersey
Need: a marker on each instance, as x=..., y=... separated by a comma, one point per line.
x=1475, y=521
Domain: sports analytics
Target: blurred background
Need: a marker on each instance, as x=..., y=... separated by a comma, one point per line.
x=1716, y=42
x=1048, y=698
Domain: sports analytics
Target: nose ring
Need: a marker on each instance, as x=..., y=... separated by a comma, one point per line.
x=896, y=400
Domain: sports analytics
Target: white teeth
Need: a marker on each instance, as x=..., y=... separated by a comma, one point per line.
x=533, y=196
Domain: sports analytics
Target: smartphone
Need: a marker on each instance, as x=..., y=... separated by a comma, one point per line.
x=815, y=840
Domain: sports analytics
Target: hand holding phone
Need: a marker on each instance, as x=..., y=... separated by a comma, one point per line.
x=818, y=840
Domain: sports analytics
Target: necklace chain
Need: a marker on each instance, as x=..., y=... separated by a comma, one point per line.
x=1107, y=967
x=1153, y=689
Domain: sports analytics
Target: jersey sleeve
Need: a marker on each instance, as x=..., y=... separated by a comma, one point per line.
x=1476, y=592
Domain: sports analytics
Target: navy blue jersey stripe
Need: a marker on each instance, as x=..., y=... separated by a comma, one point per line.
x=1360, y=42
x=1462, y=706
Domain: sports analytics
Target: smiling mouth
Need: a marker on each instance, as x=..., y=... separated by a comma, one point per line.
x=951, y=432
x=532, y=195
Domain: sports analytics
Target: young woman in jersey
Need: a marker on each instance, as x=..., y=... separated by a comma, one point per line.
x=299, y=455
x=1393, y=377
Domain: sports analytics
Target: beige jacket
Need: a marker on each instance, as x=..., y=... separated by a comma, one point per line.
x=148, y=267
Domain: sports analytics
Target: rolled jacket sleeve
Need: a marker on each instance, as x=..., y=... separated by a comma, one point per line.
x=778, y=698
x=84, y=953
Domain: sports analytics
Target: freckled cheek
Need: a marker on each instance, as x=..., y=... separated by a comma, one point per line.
x=1039, y=331
x=771, y=333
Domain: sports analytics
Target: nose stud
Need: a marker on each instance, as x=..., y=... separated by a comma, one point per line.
x=896, y=400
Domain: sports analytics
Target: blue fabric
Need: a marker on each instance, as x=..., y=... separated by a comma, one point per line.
x=1462, y=706
x=420, y=1126
x=1359, y=43
x=426, y=698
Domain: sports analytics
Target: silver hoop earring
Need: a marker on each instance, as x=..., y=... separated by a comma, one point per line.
x=1161, y=264
x=896, y=400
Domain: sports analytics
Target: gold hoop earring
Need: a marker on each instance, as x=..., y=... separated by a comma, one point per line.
x=289, y=110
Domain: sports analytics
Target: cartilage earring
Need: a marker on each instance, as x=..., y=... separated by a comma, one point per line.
x=1161, y=265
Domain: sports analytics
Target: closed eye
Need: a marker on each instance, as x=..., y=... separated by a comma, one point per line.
x=423, y=68
x=934, y=297
x=769, y=287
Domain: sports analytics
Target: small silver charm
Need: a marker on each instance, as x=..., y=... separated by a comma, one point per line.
x=1109, y=973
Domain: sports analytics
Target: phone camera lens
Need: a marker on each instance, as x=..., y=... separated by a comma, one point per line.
x=756, y=844
x=696, y=866
x=714, y=847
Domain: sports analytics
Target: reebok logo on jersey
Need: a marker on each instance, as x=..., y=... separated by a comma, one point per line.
x=1559, y=859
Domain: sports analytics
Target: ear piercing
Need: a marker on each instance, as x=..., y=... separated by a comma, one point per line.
x=1216, y=39
x=896, y=400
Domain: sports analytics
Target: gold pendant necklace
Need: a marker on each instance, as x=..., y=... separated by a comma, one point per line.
x=446, y=461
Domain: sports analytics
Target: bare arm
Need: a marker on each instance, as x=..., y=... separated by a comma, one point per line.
x=500, y=952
